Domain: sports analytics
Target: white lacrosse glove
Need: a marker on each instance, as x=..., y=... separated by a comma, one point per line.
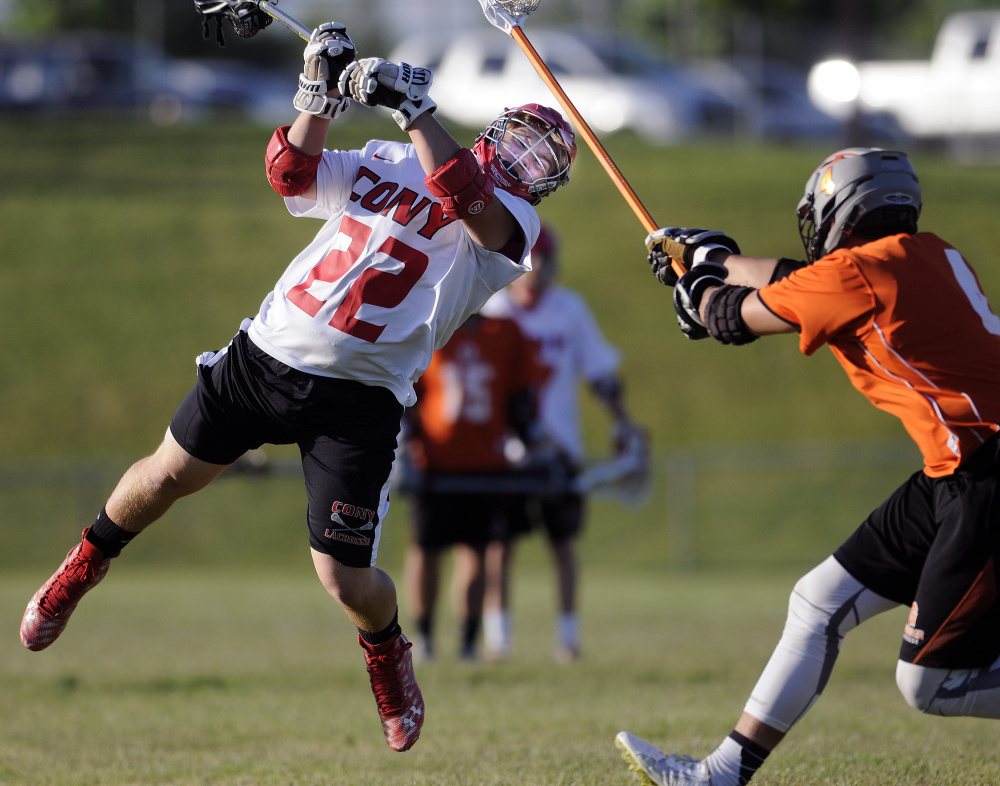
x=629, y=438
x=329, y=50
x=403, y=88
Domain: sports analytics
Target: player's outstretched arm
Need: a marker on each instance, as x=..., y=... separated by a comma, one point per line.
x=717, y=296
x=454, y=176
x=694, y=247
x=294, y=152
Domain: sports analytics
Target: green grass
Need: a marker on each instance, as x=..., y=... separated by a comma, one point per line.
x=252, y=677
x=211, y=655
x=127, y=253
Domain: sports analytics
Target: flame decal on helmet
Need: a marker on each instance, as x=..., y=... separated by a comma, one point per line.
x=826, y=185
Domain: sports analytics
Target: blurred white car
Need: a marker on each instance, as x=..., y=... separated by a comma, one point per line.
x=102, y=72
x=612, y=83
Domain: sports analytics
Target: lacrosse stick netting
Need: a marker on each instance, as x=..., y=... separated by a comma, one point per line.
x=507, y=14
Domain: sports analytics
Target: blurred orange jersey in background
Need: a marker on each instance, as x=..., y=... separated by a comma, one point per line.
x=462, y=419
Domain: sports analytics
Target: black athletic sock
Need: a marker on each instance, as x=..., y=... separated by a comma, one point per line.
x=470, y=632
x=425, y=626
x=107, y=536
x=752, y=757
x=382, y=636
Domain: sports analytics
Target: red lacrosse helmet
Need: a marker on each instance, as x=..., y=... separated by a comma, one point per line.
x=527, y=151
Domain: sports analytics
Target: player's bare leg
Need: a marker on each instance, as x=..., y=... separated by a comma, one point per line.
x=496, y=603
x=567, y=643
x=469, y=586
x=423, y=579
x=759, y=732
x=151, y=485
x=368, y=597
x=145, y=492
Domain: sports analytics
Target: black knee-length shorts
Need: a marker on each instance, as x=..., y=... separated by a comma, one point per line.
x=934, y=545
x=346, y=432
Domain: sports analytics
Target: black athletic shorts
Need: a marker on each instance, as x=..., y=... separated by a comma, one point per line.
x=560, y=515
x=934, y=545
x=346, y=433
x=444, y=519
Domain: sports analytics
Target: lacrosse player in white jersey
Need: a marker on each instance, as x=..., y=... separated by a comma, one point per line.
x=573, y=350
x=416, y=237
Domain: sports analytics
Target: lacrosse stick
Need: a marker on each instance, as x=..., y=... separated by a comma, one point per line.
x=507, y=15
x=293, y=24
x=247, y=17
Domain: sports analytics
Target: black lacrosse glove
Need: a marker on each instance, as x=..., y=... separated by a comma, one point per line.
x=688, y=246
x=688, y=292
x=246, y=18
x=662, y=266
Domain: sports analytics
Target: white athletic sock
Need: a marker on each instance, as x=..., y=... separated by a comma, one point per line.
x=496, y=630
x=568, y=631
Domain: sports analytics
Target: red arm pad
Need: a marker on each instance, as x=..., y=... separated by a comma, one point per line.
x=289, y=171
x=461, y=185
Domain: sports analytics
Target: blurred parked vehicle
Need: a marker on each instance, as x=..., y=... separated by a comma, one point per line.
x=206, y=86
x=76, y=72
x=773, y=104
x=955, y=93
x=613, y=82
x=101, y=72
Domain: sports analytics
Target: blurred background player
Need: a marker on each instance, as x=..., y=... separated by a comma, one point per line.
x=476, y=405
x=415, y=238
x=573, y=350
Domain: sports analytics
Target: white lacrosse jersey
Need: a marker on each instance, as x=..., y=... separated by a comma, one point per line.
x=572, y=347
x=387, y=279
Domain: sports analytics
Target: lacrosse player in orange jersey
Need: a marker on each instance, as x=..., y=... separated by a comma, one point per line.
x=475, y=413
x=904, y=314
x=416, y=237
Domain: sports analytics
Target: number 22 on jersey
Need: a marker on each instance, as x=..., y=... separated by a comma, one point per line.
x=374, y=287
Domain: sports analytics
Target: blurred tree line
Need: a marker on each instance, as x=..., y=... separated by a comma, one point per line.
x=793, y=30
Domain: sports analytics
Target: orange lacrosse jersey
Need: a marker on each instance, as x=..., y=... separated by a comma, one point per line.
x=908, y=321
x=462, y=404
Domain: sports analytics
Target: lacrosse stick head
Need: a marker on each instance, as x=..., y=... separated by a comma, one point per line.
x=245, y=16
x=508, y=14
x=528, y=151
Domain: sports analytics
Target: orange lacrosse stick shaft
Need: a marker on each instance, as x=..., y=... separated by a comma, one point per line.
x=592, y=141
x=602, y=155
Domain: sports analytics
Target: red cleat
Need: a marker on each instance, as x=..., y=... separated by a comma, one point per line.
x=49, y=609
x=400, y=704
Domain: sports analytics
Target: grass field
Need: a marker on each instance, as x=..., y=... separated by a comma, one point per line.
x=211, y=655
x=250, y=677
